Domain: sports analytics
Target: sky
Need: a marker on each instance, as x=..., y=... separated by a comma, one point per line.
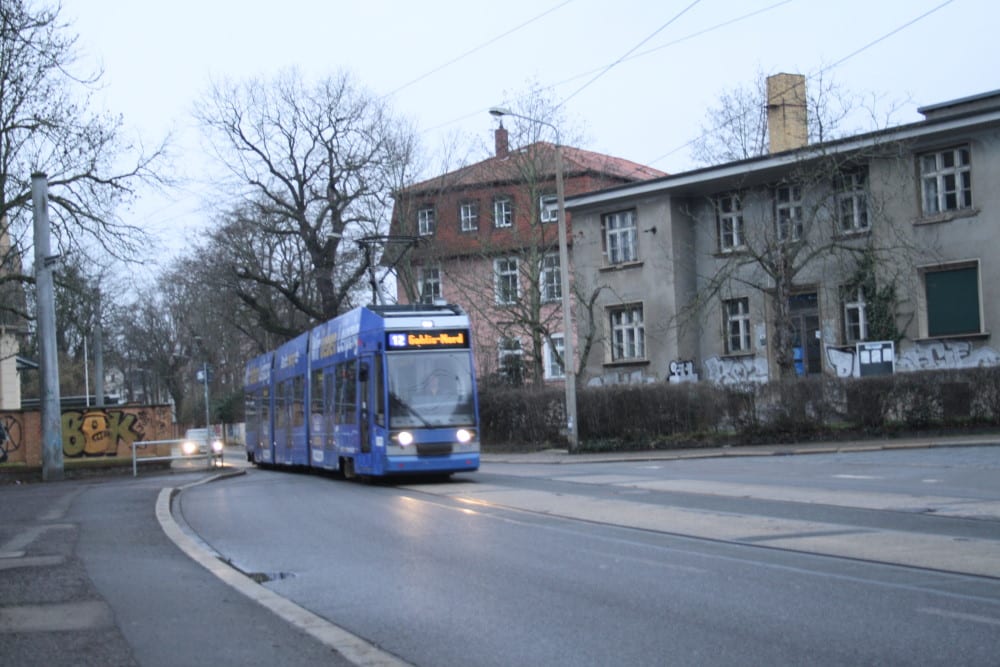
x=636, y=76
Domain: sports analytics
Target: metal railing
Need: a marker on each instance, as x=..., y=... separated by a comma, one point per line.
x=213, y=458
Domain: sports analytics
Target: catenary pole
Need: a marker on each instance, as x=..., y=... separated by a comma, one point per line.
x=45, y=311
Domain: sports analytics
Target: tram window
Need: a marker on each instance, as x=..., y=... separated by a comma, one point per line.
x=298, y=401
x=281, y=406
x=347, y=392
x=265, y=413
x=316, y=399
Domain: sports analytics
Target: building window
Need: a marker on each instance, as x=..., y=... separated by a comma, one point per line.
x=788, y=212
x=429, y=279
x=620, y=237
x=852, y=201
x=953, y=307
x=855, y=317
x=946, y=180
x=548, y=208
x=503, y=212
x=736, y=313
x=550, y=278
x=425, y=221
x=468, y=216
x=505, y=281
x=729, y=209
x=511, y=360
x=554, y=351
x=628, y=336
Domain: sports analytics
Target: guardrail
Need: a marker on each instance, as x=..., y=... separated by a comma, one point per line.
x=211, y=456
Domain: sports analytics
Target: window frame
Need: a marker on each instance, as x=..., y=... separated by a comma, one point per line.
x=627, y=333
x=550, y=278
x=622, y=226
x=851, y=188
x=740, y=316
x=426, y=221
x=935, y=203
x=510, y=273
x=933, y=311
x=730, y=224
x=788, y=215
x=553, y=370
x=468, y=216
x=503, y=211
x=548, y=212
x=510, y=347
x=434, y=280
x=857, y=302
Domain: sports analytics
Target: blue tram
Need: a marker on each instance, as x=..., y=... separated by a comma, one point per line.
x=380, y=390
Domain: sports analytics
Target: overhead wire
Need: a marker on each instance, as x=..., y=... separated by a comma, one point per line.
x=626, y=55
x=819, y=72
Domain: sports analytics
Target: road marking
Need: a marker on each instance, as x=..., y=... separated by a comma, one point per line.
x=846, y=476
x=61, y=617
x=28, y=535
x=975, y=618
x=937, y=552
x=9, y=563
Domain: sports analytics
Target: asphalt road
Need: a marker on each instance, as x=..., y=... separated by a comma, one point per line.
x=830, y=559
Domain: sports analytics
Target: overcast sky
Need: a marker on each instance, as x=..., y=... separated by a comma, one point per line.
x=635, y=75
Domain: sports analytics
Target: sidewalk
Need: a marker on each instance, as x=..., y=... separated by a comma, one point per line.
x=89, y=576
x=560, y=456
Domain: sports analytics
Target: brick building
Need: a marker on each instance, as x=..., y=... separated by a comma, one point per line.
x=487, y=239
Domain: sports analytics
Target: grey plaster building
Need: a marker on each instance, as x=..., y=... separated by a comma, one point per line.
x=799, y=261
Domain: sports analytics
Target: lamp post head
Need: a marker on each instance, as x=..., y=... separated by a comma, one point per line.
x=499, y=111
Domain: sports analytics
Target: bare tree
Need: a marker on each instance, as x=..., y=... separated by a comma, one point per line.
x=46, y=126
x=314, y=166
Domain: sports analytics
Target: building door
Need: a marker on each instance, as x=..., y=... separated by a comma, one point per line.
x=806, y=342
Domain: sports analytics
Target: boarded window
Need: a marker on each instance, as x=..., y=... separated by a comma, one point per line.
x=952, y=301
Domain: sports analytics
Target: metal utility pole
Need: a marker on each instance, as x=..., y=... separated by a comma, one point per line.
x=99, y=354
x=52, y=451
x=569, y=357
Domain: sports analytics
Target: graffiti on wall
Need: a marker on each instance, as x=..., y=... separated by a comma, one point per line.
x=10, y=436
x=98, y=432
x=682, y=371
x=946, y=354
x=736, y=370
x=923, y=356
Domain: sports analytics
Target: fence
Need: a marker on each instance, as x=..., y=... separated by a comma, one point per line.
x=213, y=458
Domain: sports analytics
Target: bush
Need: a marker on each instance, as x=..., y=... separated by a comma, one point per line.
x=657, y=415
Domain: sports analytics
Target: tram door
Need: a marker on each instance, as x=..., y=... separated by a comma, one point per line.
x=365, y=400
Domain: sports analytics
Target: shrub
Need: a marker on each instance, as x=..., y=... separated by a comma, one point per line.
x=642, y=416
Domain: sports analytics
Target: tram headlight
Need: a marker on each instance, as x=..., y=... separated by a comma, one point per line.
x=464, y=435
x=404, y=438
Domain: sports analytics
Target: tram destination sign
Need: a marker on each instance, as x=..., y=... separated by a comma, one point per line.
x=423, y=339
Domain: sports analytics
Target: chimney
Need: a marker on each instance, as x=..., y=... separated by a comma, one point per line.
x=500, y=137
x=786, y=112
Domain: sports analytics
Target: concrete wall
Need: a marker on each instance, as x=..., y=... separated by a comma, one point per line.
x=104, y=432
x=679, y=262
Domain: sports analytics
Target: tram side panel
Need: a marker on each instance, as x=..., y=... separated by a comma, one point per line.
x=290, y=388
x=257, y=408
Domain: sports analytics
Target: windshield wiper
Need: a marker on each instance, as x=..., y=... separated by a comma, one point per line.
x=409, y=408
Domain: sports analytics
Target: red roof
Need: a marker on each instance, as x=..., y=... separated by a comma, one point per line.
x=509, y=169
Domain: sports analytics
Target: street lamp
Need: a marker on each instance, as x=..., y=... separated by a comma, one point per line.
x=569, y=362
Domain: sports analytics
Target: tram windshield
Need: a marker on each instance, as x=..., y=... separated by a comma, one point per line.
x=430, y=389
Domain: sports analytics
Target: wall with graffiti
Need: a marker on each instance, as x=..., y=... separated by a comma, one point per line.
x=736, y=370
x=93, y=432
x=936, y=355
